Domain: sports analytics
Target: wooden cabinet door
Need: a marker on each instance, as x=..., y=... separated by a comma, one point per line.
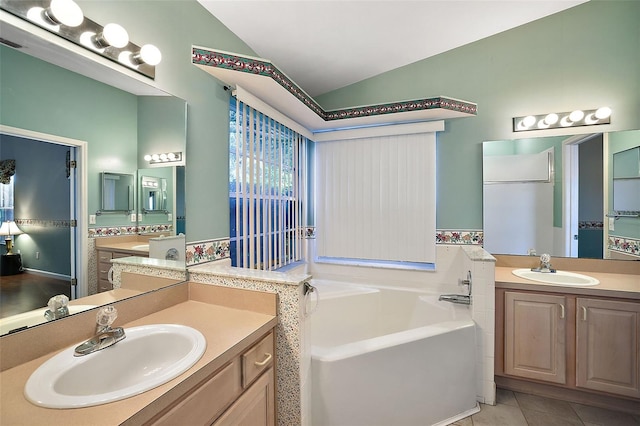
x=608, y=339
x=256, y=407
x=534, y=340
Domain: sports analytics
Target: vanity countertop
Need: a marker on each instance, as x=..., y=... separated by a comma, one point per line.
x=611, y=284
x=229, y=329
x=127, y=247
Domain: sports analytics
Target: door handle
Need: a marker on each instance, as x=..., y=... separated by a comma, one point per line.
x=584, y=313
x=562, y=311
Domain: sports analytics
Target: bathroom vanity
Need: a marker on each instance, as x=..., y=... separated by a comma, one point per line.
x=109, y=248
x=570, y=342
x=233, y=382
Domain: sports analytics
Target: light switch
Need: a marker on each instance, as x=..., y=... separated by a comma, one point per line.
x=133, y=217
x=92, y=219
x=169, y=217
x=612, y=224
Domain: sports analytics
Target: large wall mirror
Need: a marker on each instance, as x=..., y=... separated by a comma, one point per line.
x=119, y=117
x=575, y=196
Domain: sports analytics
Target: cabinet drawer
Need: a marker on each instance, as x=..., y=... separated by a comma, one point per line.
x=104, y=256
x=104, y=285
x=257, y=359
x=208, y=401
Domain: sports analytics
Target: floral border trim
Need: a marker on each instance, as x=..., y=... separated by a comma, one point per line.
x=308, y=232
x=128, y=230
x=236, y=62
x=624, y=245
x=44, y=223
x=207, y=251
x=591, y=225
x=469, y=237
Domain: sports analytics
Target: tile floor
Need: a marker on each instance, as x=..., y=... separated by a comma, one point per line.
x=520, y=409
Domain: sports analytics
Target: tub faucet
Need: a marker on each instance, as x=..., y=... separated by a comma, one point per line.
x=105, y=335
x=545, y=264
x=462, y=299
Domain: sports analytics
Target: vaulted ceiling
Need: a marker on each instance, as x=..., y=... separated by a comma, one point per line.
x=324, y=45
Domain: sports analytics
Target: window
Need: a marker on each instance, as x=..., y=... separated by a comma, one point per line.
x=266, y=189
x=6, y=201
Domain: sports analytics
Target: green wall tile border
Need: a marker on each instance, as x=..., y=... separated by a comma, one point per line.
x=264, y=68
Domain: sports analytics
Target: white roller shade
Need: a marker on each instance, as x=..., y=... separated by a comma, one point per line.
x=376, y=198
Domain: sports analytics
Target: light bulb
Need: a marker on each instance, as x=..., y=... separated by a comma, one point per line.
x=65, y=12
x=112, y=35
x=551, y=119
x=602, y=113
x=566, y=122
x=529, y=121
x=148, y=54
x=155, y=157
x=172, y=156
x=147, y=157
x=163, y=157
x=542, y=124
x=576, y=115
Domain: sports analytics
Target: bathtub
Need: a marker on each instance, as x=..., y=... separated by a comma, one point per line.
x=382, y=356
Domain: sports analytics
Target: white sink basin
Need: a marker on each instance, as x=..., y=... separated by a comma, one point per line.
x=35, y=317
x=558, y=278
x=141, y=247
x=148, y=357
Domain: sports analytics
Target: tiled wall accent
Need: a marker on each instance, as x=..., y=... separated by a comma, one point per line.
x=482, y=267
x=92, y=266
x=468, y=237
x=128, y=230
x=624, y=245
x=288, y=332
x=207, y=251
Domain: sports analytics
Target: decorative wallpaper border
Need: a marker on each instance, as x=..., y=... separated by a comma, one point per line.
x=128, y=230
x=624, y=245
x=591, y=225
x=44, y=223
x=468, y=237
x=308, y=232
x=236, y=62
x=207, y=251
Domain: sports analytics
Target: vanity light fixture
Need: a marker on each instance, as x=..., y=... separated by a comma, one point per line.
x=562, y=119
x=65, y=19
x=167, y=157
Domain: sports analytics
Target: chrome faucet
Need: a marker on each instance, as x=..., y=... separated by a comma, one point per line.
x=545, y=264
x=105, y=335
x=58, y=307
x=462, y=299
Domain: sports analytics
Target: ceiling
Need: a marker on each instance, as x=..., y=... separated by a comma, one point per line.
x=324, y=45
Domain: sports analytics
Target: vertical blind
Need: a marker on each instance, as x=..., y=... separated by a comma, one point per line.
x=267, y=189
x=375, y=198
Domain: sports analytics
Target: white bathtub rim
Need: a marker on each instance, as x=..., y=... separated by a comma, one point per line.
x=372, y=287
x=353, y=349
x=460, y=416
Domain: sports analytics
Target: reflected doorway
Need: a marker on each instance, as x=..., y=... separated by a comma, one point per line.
x=584, y=195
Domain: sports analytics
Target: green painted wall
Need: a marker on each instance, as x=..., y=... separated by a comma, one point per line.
x=38, y=96
x=174, y=26
x=585, y=57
